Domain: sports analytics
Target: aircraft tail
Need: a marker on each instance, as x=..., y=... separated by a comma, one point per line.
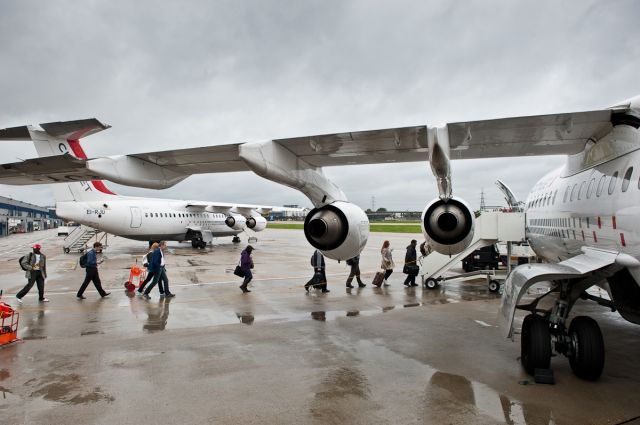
x=57, y=138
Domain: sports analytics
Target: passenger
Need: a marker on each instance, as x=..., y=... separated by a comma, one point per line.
x=35, y=264
x=146, y=261
x=246, y=264
x=411, y=268
x=319, y=279
x=387, y=261
x=355, y=272
x=92, y=272
x=157, y=266
x=425, y=249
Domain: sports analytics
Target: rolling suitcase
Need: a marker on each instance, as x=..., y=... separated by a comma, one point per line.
x=378, y=279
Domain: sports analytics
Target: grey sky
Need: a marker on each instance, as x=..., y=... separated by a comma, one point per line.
x=195, y=73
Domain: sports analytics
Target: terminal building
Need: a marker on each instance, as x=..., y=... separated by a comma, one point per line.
x=20, y=217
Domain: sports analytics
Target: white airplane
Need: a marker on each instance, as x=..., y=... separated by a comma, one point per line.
x=583, y=218
x=91, y=203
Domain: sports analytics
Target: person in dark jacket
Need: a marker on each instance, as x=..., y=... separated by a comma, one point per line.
x=410, y=264
x=355, y=272
x=147, y=263
x=246, y=264
x=157, y=267
x=92, y=272
x=317, y=262
x=35, y=264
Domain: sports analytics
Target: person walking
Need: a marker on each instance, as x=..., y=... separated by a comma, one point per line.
x=319, y=279
x=35, y=265
x=387, y=261
x=146, y=261
x=246, y=264
x=355, y=272
x=157, y=267
x=92, y=272
x=411, y=268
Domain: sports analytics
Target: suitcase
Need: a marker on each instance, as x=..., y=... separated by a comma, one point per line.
x=378, y=279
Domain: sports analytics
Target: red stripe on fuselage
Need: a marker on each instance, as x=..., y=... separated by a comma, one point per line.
x=79, y=152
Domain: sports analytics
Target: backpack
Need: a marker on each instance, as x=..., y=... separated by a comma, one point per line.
x=23, y=259
x=83, y=260
x=145, y=259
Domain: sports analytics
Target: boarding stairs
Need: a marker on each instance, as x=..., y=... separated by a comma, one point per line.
x=491, y=227
x=78, y=239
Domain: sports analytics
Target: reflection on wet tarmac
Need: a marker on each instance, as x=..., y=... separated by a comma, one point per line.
x=353, y=313
x=320, y=316
x=338, y=395
x=157, y=315
x=388, y=308
x=246, y=318
x=461, y=397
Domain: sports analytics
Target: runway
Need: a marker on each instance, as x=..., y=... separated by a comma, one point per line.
x=279, y=354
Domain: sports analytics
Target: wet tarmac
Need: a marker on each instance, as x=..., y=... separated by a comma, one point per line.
x=279, y=354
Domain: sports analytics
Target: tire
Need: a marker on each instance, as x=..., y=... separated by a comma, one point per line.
x=66, y=250
x=431, y=283
x=587, y=360
x=494, y=286
x=535, y=344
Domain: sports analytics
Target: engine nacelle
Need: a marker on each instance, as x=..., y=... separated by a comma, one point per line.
x=339, y=230
x=448, y=226
x=257, y=224
x=236, y=222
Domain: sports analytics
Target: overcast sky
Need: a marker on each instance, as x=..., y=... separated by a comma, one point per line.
x=195, y=73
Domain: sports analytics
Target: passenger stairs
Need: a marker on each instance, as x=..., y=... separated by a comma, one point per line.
x=491, y=227
x=78, y=239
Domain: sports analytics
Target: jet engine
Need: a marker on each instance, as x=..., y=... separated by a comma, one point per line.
x=339, y=230
x=257, y=224
x=236, y=222
x=448, y=225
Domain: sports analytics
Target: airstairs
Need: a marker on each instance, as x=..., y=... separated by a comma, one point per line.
x=491, y=227
x=78, y=239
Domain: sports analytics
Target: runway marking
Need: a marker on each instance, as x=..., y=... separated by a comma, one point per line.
x=480, y=322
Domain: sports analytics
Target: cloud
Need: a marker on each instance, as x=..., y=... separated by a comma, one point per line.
x=196, y=73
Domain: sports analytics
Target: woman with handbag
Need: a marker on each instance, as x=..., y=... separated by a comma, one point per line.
x=246, y=264
x=387, y=261
x=411, y=268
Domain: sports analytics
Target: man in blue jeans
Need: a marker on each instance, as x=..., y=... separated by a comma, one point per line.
x=156, y=266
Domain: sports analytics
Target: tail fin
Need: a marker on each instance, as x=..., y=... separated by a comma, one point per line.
x=64, y=137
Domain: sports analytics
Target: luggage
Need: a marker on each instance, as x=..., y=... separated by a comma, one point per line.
x=83, y=260
x=378, y=279
x=23, y=259
x=318, y=281
x=411, y=269
x=238, y=272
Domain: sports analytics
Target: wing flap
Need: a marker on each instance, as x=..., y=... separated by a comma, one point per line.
x=53, y=169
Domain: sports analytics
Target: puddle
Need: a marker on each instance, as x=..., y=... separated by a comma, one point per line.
x=7, y=398
x=90, y=333
x=246, y=318
x=33, y=337
x=69, y=389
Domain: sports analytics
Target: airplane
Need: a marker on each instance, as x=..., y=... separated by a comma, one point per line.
x=91, y=203
x=582, y=218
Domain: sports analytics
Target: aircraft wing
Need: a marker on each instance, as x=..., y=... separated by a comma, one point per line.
x=554, y=134
x=244, y=209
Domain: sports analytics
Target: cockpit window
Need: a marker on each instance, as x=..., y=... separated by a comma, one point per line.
x=600, y=185
x=612, y=182
x=573, y=192
x=627, y=179
x=592, y=185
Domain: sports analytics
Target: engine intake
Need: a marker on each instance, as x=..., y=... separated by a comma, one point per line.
x=257, y=224
x=339, y=230
x=448, y=226
x=236, y=222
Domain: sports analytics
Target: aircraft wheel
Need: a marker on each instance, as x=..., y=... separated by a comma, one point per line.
x=66, y=250
x=193, y=243
x=535, y=344
x=203, y=245
x=587, y=359
x=431, y=283
x=494, y=286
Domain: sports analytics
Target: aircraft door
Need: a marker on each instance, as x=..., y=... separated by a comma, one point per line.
x=136, y=217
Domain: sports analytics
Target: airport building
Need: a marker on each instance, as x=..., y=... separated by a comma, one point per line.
x=20, y=217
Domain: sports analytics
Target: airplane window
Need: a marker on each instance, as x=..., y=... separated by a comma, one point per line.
x=573, y=192
x=612, y=182
x=156, y=214
x=566, y=192
x=146, y=214
x=174, y=214
x=592, y=185
x=600, y=185
x=581, y=191
x=627, y=179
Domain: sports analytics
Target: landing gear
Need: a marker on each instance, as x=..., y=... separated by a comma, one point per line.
x=535, y=344
x=198, y=243
x=236, y=239
x=582, y=343
x=66, y=250
x=587, y=354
